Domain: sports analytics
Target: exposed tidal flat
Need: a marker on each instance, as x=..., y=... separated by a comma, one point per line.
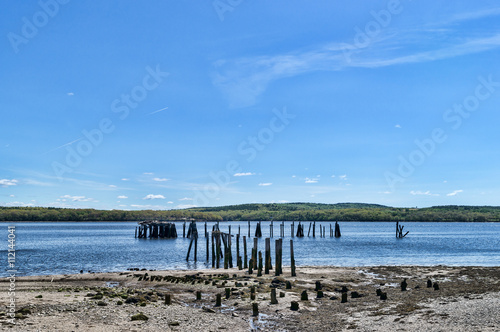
x=322, y=298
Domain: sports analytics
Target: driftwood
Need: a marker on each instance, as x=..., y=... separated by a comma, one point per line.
x=399, y=231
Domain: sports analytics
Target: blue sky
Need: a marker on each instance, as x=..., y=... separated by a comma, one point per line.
x=123, y=105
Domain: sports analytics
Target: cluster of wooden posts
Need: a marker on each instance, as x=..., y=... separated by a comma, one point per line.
x=156, y=229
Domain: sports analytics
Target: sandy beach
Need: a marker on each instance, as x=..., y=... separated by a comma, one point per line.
x=459, y=299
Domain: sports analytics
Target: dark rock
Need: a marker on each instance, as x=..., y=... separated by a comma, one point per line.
x=139, y=316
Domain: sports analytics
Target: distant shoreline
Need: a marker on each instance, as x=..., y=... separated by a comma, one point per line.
x=305, y=212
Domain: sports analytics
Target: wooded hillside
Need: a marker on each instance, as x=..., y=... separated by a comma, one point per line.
x=283, y=211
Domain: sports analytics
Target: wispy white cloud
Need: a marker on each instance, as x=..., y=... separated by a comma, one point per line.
x=244, y=174
x=455, y=192
x=244, y=79
x=425, y=193
x=22, y=204
x=125, y=179
x=185, y=199
x=148, y=173
x=66, y=144
x=309, y=180
x=7, y=183
x=160, y=179
x=265, y=184
x=398, y=126
x=152, y=196
x=122, y=197
x=75, y=198
x=160, y=110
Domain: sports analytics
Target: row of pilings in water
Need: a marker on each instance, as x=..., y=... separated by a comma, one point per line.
x=221, y=244
x=161, y=229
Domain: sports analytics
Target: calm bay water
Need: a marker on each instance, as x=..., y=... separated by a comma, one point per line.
x=68, y=247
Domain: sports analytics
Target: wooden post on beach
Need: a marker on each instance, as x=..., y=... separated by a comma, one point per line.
x=217, y=245
x=273, y=296
x=213, y=250
x=255, y=309
x=268, y=256
x=245, y=252
x=239, y=229
x=230, y=258
x=259, y=271
x=254, y=252
x=208, y=247
x=292, y=259
x=309, y=232
x=195, y=245
x=206, y=233
x=277, y=260
x=238, y=257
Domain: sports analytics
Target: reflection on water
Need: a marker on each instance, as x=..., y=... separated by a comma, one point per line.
x=59, y=248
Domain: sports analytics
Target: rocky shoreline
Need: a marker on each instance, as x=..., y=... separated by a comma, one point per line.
x=338, y=299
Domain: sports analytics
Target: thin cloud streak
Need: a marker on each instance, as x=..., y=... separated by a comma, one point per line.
x=243, y=80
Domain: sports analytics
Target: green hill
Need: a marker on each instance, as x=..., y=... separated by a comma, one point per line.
x=272, y=211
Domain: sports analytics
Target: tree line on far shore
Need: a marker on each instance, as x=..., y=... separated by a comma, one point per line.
x=256, y=212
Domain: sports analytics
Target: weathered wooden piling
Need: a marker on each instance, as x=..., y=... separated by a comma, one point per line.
x=268, y=256
x=278, y=249
x=193, y=234
x=259, y=271
x=254, y=252
x=309, y=232
x=300, y=230
x=337, y=229
x=292, y=227
x=255, y=309
x=258, y=231
x=245, y=252
x=274, y=300
x=292, y=259
x=399, y=231
x=218, y=300
x=271, y=229
x=238, y=257
x=404, y=284
x=168, y=299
